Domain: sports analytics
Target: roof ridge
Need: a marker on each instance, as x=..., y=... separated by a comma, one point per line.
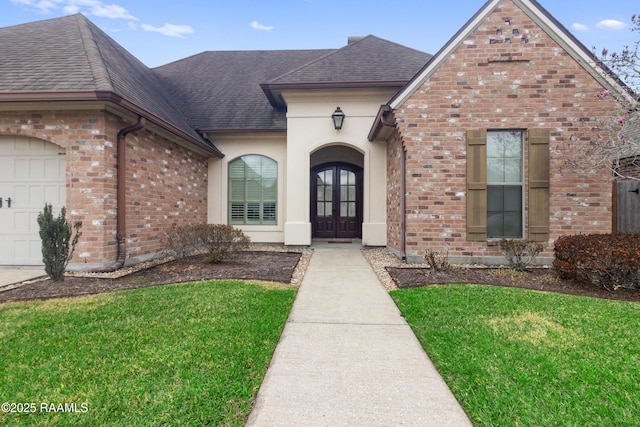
x=94, y=56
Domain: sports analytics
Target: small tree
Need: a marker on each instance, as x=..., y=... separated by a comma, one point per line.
x=612, y=141
x=57, y=245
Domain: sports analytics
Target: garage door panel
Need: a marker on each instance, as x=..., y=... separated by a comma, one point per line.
x=32, y=173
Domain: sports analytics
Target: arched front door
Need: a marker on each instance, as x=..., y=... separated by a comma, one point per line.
x=336, y=201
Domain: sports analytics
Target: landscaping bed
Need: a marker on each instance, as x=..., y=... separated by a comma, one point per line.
x=540, y=279
x=250, y=265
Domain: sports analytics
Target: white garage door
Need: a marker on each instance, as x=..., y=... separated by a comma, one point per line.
x=32, y=173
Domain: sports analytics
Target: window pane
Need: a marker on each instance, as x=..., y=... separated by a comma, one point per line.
x=328, y=177
x=344, y=209
x=237, y=211
x=269, y=190
x=236, y=189
x=328, y=194
x=254, y=190
x=269, y=213
x=495, y=224
x=352, y=193
x=513, y=198
x=495, y=170
x=512, y=225
x=328, y=207
x=253, y=212
x=352, y=209
x=495, y=198
x=320, y=193
x=513, y=170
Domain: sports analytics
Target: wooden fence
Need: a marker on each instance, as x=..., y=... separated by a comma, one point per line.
x=627, y=197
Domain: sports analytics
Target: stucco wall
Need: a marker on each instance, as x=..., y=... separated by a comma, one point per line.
x=272, y=145
x=166, y=184
x=485, y=85
x=310, y=129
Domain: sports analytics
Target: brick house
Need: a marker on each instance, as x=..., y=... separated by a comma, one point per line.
x=446, y=152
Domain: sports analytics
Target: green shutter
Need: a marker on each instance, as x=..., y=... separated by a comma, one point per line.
x=539, y=185
x=477, y=185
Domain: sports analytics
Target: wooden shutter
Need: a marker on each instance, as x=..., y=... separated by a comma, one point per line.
x=539, y=185
x=477, y=185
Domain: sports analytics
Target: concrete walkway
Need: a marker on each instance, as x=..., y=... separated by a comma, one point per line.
x=10, y=274
x=347, y=357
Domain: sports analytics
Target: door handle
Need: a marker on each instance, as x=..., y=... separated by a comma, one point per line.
x=8, y=202
x=0, y=202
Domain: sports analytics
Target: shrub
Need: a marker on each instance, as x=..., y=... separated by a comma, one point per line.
x=520, y=253
x=57, y=245
x=438, y=261
x=610, y=261
x=216, y=241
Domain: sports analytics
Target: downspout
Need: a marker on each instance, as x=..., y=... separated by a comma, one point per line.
x=403, y=205
x=121, y=180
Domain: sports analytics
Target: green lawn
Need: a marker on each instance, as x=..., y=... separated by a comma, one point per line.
x=514, y=357
x=191, y=354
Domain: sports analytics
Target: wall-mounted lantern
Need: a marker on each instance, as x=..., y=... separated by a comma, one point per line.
x=338, y=118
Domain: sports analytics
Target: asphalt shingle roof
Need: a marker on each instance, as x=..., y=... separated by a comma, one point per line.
x=221, y=90
x=72, y=55
x=369, y=59
x=211, y=91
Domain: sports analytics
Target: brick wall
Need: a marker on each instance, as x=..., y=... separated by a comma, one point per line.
x=166, y=184
x=498, y=85
x=394, y=176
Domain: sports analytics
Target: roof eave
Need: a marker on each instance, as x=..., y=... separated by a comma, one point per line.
x=273, y=91
x=216, y=131
x=199, y=145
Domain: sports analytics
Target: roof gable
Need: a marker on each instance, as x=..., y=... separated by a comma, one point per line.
x=369, y=59
x=366, y=62
x=544, y=20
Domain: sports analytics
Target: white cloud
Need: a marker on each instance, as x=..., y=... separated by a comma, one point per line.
x=43, y=6
x=258, y=26
x=579, y=27
x=611, y=24
x=112, y=11
x=170, y=30
x=88, y=7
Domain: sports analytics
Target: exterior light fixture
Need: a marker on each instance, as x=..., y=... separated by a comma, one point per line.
x=338, y=118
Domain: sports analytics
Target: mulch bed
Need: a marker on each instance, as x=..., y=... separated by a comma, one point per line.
x=259, y=265
x=536, y=278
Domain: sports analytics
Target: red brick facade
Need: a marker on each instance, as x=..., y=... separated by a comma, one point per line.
x=166, y=184
x=489, y=82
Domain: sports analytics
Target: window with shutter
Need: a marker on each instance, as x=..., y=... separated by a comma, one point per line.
x=253, y=190
x=495, y=184
x=505, y=184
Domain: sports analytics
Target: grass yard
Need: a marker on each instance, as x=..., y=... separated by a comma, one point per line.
x=515, y=357
x=189, y=354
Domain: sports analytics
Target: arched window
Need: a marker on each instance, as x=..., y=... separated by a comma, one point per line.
x=253, y=190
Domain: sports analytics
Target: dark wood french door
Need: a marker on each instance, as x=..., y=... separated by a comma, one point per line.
x=336, y=201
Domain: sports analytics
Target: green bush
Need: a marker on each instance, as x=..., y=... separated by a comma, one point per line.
x=610, y=261
x=57, y=245
x=217, y=241
x=520, y=253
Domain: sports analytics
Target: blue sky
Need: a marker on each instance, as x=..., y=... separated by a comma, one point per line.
x=159, y=32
